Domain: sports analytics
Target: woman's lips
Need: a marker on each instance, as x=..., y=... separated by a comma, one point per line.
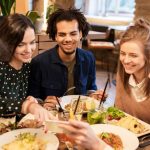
x=127, y=67
x=26, y=56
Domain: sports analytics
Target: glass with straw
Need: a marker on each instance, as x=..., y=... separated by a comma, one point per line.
x=76, y=109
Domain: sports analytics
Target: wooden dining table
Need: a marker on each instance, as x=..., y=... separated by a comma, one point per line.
x=63, y=146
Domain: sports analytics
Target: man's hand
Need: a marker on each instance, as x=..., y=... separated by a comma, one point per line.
x=50, y=102
x=98, y=95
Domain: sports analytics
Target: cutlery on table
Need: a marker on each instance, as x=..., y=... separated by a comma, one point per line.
x=144, y=140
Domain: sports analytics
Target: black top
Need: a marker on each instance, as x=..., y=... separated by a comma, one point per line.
x=13, y=87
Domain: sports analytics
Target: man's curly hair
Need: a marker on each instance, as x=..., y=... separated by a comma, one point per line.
x=68, y=15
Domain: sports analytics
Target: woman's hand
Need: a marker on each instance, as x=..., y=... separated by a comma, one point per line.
x=50, y=102
x=40, y=113
x=83, y=135
x=30, y=105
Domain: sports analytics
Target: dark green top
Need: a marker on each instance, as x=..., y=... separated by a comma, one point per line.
x=13, y=87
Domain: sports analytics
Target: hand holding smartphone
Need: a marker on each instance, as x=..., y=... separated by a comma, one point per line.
x=53, y=126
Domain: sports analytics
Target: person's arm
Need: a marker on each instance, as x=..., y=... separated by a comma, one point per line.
x=84, y=136
x=30, y=105
x=8, y=106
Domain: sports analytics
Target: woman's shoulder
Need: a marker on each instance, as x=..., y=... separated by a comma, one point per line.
x=3, y=65
x=26, y=67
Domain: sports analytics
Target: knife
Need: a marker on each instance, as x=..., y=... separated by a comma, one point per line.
x=144, y=140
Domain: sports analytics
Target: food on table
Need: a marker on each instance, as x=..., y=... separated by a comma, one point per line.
x=115, y=116
x=110, y=114
x=112, y=139
x=6, y=127
x=29, y=123
x=7, y=121
x=114, y=113
x=66, y=139
x=26, y=141
x=85, y=103
x=131, y=124
x=94, y=117
x=76, y=116
x=3, y=128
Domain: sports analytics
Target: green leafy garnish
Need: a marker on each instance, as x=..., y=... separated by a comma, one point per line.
x=104, y=135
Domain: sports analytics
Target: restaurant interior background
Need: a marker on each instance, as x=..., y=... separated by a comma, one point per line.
x=108, y=19
x=101, y=14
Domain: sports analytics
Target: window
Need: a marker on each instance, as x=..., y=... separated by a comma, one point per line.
x=30, y=4
x=123, y=8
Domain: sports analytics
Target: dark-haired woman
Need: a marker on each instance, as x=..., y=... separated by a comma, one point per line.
x=17, y=43
x=133, y=83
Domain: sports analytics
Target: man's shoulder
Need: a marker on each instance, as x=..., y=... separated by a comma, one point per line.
x=85, y=53
x=44, y=55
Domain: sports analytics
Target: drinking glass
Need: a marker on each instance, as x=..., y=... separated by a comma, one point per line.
x=79, y=110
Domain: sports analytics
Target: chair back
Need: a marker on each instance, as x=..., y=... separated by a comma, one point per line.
x=103, y=28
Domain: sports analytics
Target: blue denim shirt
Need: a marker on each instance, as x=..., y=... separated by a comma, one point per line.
x=49, y=75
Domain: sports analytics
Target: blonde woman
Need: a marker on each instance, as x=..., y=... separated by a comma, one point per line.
x=133, y=83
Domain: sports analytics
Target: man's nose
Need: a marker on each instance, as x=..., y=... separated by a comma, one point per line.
x=68, y=38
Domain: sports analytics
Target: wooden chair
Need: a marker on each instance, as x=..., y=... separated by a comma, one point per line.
x=102, y=48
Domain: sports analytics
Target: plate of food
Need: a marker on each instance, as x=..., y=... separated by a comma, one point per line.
x=23, y=139
x=113, y=115
x=134, y=125
x=117, y=137
x=28, y=121
x=88, y=103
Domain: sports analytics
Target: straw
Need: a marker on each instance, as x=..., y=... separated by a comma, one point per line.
x=76, y=105
x=102, y=98
x=61, y=109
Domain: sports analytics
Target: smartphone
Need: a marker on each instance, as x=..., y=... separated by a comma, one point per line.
x=53, y=126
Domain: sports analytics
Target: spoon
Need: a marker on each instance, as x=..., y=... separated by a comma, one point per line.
x=68, y=90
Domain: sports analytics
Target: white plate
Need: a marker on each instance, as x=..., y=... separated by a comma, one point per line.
x=129, y=139
x=53, y=142
x=67, y=100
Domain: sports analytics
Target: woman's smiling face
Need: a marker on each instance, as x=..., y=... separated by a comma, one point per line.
x=132, y=57
x=23, y=52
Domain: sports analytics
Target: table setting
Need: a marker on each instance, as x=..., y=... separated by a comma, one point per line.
x=88, y=108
